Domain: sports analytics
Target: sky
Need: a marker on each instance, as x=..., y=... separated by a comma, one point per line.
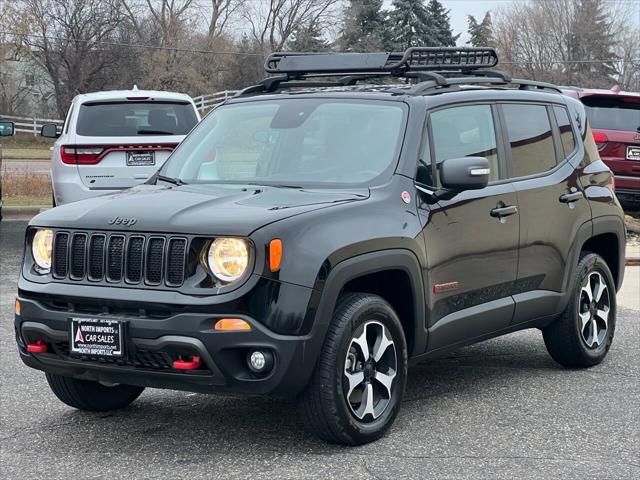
x=459, y=9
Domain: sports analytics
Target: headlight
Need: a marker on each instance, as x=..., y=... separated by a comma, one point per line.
x=228, y=258
x=41, y=247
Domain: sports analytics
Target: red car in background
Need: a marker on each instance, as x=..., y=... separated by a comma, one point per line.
x=614, y=116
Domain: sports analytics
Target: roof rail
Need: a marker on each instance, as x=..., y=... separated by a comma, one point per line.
x=412, y=60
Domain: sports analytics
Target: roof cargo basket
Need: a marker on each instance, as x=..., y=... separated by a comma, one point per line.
x=414, y=59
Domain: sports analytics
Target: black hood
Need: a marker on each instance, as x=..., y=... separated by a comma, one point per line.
x=194, y=209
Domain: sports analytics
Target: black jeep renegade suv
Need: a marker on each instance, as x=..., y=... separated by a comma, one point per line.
x=319, y=232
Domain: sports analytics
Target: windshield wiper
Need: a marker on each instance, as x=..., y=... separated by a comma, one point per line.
x=276, y=185
x=154, y=132
x=175, y=181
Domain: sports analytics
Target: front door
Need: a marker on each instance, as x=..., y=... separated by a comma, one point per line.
x=472, y=238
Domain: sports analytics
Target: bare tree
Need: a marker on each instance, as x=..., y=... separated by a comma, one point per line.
x=73, y=41
x=273, y=22
x=562, y=41
x=221, y=12
x=629, y=59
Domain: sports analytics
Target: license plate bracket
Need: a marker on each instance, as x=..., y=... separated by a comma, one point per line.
x=633, y=153
x=141, y=159
x=96, y=337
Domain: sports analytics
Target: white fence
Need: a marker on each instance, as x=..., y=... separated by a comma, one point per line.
x=206, y=102
x=33, y=125
x=29, y=124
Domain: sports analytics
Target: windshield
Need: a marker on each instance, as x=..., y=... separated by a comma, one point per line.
x=124, y=119
x=610, y=113
x=292, y=142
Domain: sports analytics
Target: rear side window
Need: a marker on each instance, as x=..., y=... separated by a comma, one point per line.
x=566, y=132
x=115, y=119
x=530, y=138
x=466, y=131
x=610, y=113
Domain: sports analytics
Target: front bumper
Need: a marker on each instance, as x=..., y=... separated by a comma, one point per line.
x=152, y=343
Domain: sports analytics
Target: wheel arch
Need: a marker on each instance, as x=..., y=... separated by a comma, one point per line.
x=602, y=235
x=387, y=273
x=609, y=241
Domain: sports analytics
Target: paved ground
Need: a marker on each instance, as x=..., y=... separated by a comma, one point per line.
x=501, y=409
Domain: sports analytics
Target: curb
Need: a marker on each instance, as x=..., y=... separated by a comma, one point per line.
x=25, y=212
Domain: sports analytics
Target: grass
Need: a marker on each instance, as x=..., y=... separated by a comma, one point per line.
x=26, y=154
x=16, y=185
x=25, y=146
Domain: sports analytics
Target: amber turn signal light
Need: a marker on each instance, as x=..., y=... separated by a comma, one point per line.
x=275, y=254
x=232, y=325
x=18, y=307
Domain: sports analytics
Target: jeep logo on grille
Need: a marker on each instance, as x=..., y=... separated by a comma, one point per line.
x=126, y=222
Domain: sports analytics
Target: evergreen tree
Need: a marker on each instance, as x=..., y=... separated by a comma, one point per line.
x=480, y=34
x=409, y=25
x=363, y=28
x=442, y=34
x=307, y=38
x=591, y=45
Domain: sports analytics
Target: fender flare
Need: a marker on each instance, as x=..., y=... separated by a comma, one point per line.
x=367, y=263
x=596, y=226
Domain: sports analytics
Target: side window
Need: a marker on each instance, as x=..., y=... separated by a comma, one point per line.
x=424, y=173
x=466, y=131
x=566, y=131
x=529, y=132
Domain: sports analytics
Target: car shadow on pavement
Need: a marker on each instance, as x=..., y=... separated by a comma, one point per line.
x=218, y=424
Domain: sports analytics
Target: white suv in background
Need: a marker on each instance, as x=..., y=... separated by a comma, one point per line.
x=114, y=140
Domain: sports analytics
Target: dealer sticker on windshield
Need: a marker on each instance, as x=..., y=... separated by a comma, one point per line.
x=633, y=153
x=96, y=337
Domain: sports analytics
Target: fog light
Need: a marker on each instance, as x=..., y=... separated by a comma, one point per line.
x=260, y=362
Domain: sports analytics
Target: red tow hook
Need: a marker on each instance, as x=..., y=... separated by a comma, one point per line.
x=186, y=365
x=38, y=347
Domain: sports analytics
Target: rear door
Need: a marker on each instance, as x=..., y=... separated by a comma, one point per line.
x=472, y=238
x=119, y=144
x=541, y=141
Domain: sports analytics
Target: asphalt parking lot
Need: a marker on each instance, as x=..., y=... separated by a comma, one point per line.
x=501, y=409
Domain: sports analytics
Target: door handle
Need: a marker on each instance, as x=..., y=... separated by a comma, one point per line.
x=571, y=197
x=500, y=212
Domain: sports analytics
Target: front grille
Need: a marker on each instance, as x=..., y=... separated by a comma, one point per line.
x=115, y=254
x=60, y=254
x=96, y=257
x=78, y=255
x=155, y=259
x=118, y=258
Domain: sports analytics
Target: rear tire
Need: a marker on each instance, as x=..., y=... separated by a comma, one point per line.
x=582, y=335
x=357, y=387
x=92, y=396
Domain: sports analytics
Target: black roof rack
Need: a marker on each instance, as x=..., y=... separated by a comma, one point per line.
x=412, y=60
x=435, y=69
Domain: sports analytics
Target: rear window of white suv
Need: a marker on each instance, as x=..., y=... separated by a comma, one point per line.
x=124, y=119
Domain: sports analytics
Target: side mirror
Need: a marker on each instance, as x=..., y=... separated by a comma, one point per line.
x=49, y=130
x=467, y=173
x=7, y=129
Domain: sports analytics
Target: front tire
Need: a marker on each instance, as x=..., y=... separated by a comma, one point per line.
x=358, y=384
x=582, y=335
x=92, y=396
